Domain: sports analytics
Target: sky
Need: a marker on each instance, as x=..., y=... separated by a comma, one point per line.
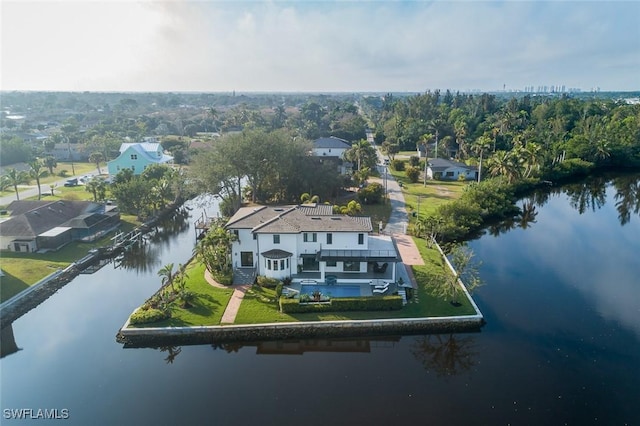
x=318, y=46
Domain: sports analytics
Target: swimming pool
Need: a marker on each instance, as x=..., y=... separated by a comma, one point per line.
x=332, y=290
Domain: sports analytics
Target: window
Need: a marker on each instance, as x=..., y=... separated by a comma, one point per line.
x=329, y=238
x=276, y=239
x=134, y=156
x=269, y=264
x=360, y=239
x=332, y=263
x=287, y=263
x=310, y=237
x=282, y=264
x=449, y=174
x=275, y=265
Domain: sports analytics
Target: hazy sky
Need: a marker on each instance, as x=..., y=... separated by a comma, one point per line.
x=123, y=45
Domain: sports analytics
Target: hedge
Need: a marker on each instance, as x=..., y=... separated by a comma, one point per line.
x=145, y=316
x=384, y=303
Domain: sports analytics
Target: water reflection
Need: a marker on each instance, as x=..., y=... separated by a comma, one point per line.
x=627, y=197
x=146, y=256
x=447, y=355
x=591, y=194
x=8, y=343
x=588, y=195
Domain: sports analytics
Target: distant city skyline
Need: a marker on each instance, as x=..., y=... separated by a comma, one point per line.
x=313, y=46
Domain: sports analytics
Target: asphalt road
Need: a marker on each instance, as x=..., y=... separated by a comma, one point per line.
x=27, y=191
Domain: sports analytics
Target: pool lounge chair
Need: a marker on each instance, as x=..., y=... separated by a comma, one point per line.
x=380, y=290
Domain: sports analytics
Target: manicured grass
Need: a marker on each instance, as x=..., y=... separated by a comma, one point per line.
x=431, y=196
x=208, y=307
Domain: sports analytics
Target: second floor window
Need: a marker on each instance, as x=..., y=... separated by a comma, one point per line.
x=329, y=238
x=310, y=237
x=360, y=239
x=134, y=156
x=276, y=239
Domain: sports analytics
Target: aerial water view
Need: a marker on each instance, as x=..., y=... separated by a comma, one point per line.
x=319, y=212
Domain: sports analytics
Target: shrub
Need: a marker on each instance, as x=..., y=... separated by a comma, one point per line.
x=146, y=316
x=63, y=173
x=572, y=167
x=224, y=279
x=413, y=173
x=279, y=290
x=267, y=282
x=414, y=161
x=371, y=194
x=397, y=165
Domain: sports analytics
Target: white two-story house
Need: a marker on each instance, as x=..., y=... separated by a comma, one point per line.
x=310, y=242
x=333, y=149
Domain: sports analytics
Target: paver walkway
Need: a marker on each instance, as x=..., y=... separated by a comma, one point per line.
x=230, y=312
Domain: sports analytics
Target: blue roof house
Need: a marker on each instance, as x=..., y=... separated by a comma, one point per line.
x=137, y=157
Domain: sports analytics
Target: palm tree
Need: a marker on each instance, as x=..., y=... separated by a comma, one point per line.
x=167, y=275
x=503, y=163
x=50, y=163
x=15, y=178
x=482, y=144
x=97, y=187
x=36, y=172
x=357, y=151
x=97, y=157
x=424, y=139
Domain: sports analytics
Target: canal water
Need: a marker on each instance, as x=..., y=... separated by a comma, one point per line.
x=561, y=344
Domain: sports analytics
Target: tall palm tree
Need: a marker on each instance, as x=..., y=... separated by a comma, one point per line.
x=97, y=157
x=16, y=178
x=482, y=144
x=37, y=171
x=50, y=163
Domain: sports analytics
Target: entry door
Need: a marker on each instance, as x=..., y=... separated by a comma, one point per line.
x=246, y=258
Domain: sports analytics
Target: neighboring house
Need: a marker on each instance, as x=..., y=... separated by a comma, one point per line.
x=333, y=149
x=137, y=157
x=38, y=225
x=309, y=242
x=68, y=152
x=439, y=168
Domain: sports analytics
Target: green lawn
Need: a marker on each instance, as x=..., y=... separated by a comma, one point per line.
x=208, y=307
x=429, y=197
x=25, y=269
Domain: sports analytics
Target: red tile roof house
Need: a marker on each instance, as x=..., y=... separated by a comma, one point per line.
x=49, y=225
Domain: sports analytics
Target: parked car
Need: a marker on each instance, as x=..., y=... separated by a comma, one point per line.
x=71, y=182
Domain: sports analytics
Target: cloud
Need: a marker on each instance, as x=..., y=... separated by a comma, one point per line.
x=321, y=46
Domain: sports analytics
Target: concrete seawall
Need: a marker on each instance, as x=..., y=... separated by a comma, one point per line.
x=160, y=336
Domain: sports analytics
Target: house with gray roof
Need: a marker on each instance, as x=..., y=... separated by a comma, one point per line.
x=442, y=169
x=310, y=242
x=49, y=225
x=137, y=157
x=333, y=149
